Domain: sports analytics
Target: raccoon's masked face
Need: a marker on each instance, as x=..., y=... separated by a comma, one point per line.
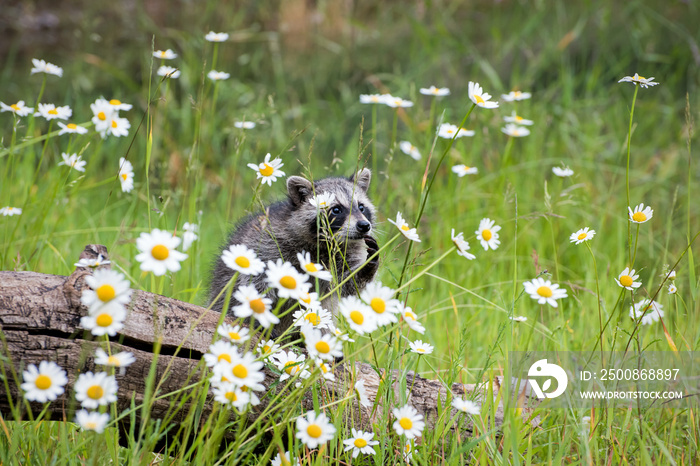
x=350, y=216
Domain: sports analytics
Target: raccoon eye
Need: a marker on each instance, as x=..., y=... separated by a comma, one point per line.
x=361, y=207
x=336, y=210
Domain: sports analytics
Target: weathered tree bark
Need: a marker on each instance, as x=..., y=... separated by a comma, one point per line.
x=40, y=320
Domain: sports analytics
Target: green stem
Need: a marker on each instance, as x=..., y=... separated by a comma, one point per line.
x=636, y=239
x=627, y=173
x=597, y=291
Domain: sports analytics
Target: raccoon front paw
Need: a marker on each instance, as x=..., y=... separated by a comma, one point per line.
x=370, y=267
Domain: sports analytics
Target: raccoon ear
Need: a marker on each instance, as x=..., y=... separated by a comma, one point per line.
x=362, y=178
x=299, y=189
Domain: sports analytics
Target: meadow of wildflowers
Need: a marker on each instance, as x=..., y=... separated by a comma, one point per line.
x=534, y=193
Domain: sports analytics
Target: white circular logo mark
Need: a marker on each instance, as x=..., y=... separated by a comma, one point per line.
x=543, y=369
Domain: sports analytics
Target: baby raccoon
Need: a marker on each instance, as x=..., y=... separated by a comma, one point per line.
x=340, y=238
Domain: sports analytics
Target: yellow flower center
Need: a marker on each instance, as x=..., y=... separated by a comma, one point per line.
x=105, y=293
x=71, y=126
x=114, y=123
x=323, y=347
x=115, y=102
x=357, y=317
x=95, y=392
x=409, y=315
x=102, y=116
x=405, y=227
x=406, y=423
x=360, y=442
x=314, y=430
x=479, y=99
x=311, y=267
x=639, y=217
x=313, y=318
x=486, y=234
x=291, y=367
x=641, y=77
x=407, y=448
x=544, y=291
x=420, y=350
x=582, y=236
x=91, y=425
x=224, y=357
x=104, y=320
x=162, y=54
x=266, y=349
x=242, y=262
x=267, y=170
x=113, y=361
x=257, y=305
x=15, y=107
x=240, y=371
x=378, y=305
x=231, y=396
x=288, y=282
x=518, y=118
x=305, y=298
x=517, y=93
x=53, y=111
x=124, y=176
x=626, y=280
x=43, y=382
x=234, y=335
x=160, y=252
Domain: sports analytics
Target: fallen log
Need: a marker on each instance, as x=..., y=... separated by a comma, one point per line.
x=40, y=320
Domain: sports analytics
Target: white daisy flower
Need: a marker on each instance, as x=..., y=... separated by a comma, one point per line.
x=466, y=406
x=326, y=371
x=513, y=96
x=318, y=345
x=40, y=66
x=234, y=334
x=19, y=109
x=670, y=275
x=411, y=318
x=359, y=316
x=373, y=98
x=126, y=175
x=322, y=200
x=435, y=91
x=409, y=149
x=227, y=393
x=419, y=347
x=402, y=225
x=254, y=304
x=381, y=300
x=584, y=234
x=43, y=383
x=636, y=79
x=672, y=289
x=168, y=72
x=71, y=128
x=165, y=54
x=408, y=422
x=267, y=348
x=286, y=279
x=94, y=390
x=408, y=451
x=122, y=359
x=216, y=36
x=118, y=127
x=544, y=291
x=651, y=311
x=107, y=319
x=515, y=131
x=640, y=214
x=92, y=263
x=360, y=442
x=562, y=172
x=627, y=279
x=462, y=245
x=157, y=252
x=361, y=392
x=315, y=317
x=310, y=300
x=268, y=170
x=448, y=131
x=243, y=260
x=396, y=102
x=284, y=461
x=103, y=113
x=243, y=370
x=221, y=350
x=51, y=112
x=479, y=97
x=315, y=270
x=117, y=105
x=462, y=170
x=518, y=120
x=314, y=430
x=107, y=287
x=518, y=318
x=244, y=124
x=92, y=420
x=189, y=235
x=339, y=334
x=290, y=364
x=73, y=161
x=487, y=234
x=9, y=211
x=218, y=75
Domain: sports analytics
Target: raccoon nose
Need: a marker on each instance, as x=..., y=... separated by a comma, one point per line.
x=364, y=226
